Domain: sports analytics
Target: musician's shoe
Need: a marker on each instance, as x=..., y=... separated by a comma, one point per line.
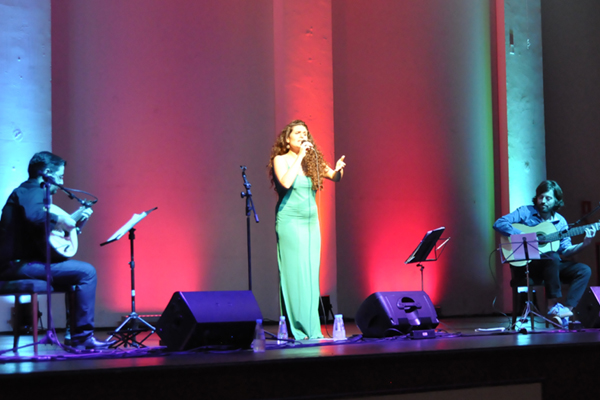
x=560, y=311
x=67, y=341
x=91, y=343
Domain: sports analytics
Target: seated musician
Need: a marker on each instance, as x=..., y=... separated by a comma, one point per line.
x=23, y=246
x=554, y=266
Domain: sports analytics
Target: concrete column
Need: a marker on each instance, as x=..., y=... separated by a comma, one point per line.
x=25, y=96
x=304, y=90
x=525, y=99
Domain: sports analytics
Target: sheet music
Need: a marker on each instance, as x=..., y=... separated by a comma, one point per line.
x=130, y=224
x=518, y=247
x=125, y=228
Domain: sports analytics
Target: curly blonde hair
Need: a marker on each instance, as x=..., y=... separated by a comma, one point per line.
x=313, y=164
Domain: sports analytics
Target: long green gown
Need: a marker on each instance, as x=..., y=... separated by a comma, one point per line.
x=298, y=254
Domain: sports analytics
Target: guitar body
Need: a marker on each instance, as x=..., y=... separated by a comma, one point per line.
x=63, y=243
x=542, y=231
x=547, y=235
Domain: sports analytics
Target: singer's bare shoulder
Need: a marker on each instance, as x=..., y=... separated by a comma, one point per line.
x=280, y=161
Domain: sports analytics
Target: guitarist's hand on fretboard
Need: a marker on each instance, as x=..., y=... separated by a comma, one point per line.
x=86, y=212
x=590, y=232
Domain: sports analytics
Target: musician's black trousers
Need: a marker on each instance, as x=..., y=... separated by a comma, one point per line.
x=80, y=274
x=554, y=271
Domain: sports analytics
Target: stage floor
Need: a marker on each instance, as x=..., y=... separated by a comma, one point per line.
x=448, y=328
x=466, y=354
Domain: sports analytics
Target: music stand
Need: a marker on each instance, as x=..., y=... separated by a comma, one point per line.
x=128, y=337
x=425, y=247
x=523, y=248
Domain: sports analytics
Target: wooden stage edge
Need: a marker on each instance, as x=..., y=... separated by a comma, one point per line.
x=544, y=364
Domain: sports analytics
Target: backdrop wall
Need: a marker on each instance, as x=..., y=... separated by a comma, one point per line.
x=571, y=38
x=413, y=108
x=157, y=104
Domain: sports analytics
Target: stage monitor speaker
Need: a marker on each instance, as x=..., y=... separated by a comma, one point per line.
x=394, y=313
x=588, y=309
x=209, y=319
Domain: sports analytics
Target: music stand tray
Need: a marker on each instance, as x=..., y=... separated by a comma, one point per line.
x=426, y=246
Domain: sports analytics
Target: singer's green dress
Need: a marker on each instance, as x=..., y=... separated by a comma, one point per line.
x=298, y=254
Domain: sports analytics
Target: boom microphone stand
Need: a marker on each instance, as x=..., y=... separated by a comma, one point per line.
x=50, y=336
x=249, y=208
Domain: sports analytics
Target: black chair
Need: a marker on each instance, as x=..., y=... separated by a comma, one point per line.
x=32, y=287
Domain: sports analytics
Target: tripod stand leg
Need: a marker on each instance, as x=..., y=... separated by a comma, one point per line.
x=153, y=329
x=121, y=326
x=531, y=311
x=128, y=336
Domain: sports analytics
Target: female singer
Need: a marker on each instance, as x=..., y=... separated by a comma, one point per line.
x=297, y=169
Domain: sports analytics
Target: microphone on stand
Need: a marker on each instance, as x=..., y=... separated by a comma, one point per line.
x=49, y=179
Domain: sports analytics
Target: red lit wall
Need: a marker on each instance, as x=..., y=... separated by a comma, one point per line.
x=412, y=95
x=304, y=90
x=157, y=104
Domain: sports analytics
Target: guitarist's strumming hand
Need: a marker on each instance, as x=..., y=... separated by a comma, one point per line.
x=65, y=223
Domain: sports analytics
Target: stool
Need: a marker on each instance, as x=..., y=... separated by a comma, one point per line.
x=31, y=287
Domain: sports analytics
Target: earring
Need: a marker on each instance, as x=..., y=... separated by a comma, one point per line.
x=287, y=146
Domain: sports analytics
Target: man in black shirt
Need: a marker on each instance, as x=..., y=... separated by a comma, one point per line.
x=23, y=250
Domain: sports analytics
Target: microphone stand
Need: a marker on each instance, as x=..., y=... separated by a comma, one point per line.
x=50, y=336
x=249, y=209
x=585, y=217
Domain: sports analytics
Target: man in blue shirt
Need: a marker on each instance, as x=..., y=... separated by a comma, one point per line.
x=554, y=266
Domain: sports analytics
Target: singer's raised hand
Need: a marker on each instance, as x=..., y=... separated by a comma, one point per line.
x=340, y=164
x=304, y=147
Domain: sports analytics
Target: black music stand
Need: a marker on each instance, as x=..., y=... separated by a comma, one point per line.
x=524, y=248
x=425, y=247
x=128, y=336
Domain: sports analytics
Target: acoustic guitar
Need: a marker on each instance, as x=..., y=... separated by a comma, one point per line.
x=64, y=243
x=548, y=238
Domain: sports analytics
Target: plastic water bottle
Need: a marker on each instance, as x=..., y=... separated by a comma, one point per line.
x=259, y=342
x=339, y=331
x=282, y=333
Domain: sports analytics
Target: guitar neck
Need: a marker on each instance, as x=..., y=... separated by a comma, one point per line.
x=578, y=230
